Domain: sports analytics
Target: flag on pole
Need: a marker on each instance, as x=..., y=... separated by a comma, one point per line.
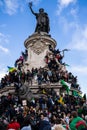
x=65, y=85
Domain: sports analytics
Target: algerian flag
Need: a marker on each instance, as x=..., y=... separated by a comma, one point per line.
x=65, y=85
x=78, y=124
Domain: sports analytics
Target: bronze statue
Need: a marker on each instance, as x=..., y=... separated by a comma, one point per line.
x=42, y=20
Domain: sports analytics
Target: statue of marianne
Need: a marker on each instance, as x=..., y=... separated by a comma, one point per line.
x=42, y=20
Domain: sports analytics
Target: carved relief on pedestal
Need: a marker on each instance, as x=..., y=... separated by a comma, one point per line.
x=38, y=47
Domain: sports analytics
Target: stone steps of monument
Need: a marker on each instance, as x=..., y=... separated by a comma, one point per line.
x=46, y=85
x=36, y=88
x=6, y=90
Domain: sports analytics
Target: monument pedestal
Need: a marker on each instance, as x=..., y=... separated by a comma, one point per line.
x=38, y=45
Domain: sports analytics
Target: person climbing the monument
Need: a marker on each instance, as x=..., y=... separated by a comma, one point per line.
x=42, y=20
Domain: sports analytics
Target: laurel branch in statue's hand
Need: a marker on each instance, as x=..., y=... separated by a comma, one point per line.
x=30, y=4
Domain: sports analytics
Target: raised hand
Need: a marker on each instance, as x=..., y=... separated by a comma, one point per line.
x=30, y=4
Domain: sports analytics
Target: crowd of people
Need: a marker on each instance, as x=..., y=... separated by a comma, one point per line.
x=54, y=112
x=50, y=112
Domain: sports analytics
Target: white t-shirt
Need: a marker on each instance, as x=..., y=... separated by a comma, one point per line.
x=58, y=126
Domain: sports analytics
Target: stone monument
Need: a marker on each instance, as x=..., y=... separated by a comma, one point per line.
x=38, y=43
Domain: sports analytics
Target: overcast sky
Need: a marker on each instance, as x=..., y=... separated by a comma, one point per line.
x=68, y=26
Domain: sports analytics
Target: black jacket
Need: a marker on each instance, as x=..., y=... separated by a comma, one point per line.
x=44, y=125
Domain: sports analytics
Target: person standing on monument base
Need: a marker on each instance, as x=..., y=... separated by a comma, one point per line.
x=42, y=20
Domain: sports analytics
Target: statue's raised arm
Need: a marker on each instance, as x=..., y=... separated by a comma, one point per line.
x=30, y=6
